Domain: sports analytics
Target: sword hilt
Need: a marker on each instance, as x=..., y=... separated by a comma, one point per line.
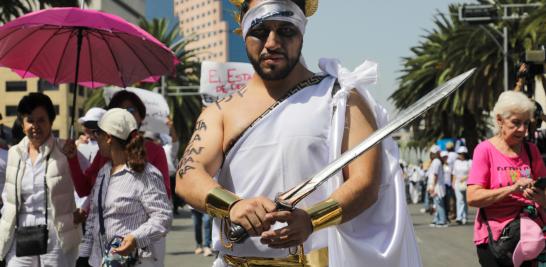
x=237, y=234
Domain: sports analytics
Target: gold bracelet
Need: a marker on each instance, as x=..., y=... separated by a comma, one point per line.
x=219, y=201
x=325, y=214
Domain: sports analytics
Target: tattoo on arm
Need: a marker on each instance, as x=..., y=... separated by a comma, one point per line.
x=187, y=162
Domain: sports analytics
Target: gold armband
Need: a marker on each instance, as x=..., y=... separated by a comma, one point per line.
x=219, y=201
x=324, y=214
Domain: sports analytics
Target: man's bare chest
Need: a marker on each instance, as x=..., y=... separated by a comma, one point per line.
x=239, y=115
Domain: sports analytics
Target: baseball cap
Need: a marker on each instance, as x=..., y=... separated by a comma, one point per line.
x=91, y=117
x=118, y=122
x=462, y=149
x=531, y=242
x=443, y=154
x=434, y=149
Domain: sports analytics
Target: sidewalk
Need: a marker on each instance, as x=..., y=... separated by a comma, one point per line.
x=180, y=244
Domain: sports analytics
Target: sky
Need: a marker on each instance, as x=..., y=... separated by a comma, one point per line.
x=381, y=30
x=356, y=30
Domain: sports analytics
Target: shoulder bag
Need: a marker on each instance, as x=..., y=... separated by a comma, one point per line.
x=31, y=240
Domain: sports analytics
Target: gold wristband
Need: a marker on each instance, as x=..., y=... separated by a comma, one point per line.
x=219, y=201
x=325, y=214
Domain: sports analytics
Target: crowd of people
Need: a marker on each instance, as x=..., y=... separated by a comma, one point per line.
x=440, y=184
x=107, y=196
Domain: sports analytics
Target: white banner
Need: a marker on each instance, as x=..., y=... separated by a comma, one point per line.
x=221, y=79
x=157, y=109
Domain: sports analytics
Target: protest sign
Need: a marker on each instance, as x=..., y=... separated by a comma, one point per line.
x=220, y=79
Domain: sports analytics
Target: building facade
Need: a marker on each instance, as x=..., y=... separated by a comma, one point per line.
x=13, y=88
x=211, y=24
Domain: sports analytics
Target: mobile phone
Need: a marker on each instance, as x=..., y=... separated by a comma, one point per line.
x=116, y=242
x=540, y=183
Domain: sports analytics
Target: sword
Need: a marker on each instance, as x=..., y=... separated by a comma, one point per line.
x=289, y=199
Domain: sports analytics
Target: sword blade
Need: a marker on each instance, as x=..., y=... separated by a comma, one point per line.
x=290, y=198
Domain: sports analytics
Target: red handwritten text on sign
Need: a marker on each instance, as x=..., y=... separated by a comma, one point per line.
x=234, y=80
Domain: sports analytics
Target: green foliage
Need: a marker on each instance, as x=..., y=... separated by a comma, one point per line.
x=10, y=9
x=451, y=48
x=184, y=109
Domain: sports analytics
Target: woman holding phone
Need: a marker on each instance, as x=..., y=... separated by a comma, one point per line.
x=129, y=203
x=504, y=169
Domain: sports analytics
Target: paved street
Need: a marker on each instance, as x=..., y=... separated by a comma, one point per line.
x=180, y=244
x=446, y=247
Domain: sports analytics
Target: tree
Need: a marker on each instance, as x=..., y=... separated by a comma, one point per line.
x=184, y=109
x=10, y=9
x=451, y=48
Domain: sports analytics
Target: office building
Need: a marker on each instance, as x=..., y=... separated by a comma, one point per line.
x=211, y=24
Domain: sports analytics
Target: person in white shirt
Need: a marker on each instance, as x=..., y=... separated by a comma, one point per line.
x=461, y=168
x=87, y=149
x=37, y=177
x=449, y=199
x=416, y=176
x=87, y=144
x=436, y=187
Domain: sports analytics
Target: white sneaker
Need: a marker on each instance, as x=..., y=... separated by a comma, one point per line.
x=198, y=250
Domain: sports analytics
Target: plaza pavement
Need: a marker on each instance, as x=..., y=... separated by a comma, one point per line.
x=446, y=247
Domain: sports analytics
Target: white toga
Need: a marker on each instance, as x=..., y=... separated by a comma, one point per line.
x=296, y=140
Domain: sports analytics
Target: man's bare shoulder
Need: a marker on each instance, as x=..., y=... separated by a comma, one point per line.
x=229, y=101
x=357, y=102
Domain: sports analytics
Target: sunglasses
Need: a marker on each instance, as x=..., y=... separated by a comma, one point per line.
x=96, y=132
x=131, y=110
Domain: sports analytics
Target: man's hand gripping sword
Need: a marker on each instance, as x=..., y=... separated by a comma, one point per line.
x=289, y=199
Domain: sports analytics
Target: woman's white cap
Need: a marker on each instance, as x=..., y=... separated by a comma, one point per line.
x=118, y=122
x=93, y=114
x=435, y=149
x=462, y=149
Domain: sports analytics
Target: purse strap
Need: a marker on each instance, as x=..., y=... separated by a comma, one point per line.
x=102, y=230
x=17, y=197
x=530, y=156
x=484, y=218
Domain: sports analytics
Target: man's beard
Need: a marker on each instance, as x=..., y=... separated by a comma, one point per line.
x=275, y=73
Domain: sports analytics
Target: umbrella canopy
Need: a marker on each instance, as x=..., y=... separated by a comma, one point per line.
x=104, y=49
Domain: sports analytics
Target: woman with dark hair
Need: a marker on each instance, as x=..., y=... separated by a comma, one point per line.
x=84, y=181
x=129, y=200
x=40, y=194
x=17, y=133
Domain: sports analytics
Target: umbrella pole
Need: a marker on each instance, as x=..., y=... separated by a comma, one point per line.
x=76, y=89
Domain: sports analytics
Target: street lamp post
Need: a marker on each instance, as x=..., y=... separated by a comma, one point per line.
x=485, y=14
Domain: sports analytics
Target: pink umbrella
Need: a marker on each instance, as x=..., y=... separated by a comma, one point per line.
x=87, y=47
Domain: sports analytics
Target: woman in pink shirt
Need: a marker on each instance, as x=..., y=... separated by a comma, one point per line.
x=501, y=179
